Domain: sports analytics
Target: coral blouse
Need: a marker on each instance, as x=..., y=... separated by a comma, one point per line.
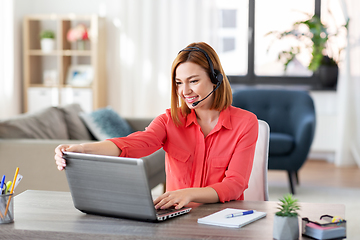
x=222, y=160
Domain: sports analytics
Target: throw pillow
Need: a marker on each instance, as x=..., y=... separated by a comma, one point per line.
x=44, y=124
x=75, y=126
x=105, y=123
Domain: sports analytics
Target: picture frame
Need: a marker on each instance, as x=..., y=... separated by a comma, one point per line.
x=80, y=75
x=50, y=77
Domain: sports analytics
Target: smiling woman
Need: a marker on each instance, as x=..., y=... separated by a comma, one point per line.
x=209, y=144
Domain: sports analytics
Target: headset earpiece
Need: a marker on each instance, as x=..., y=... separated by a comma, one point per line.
x=218, y=76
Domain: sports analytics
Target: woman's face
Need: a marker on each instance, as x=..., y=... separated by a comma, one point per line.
x=193, y=84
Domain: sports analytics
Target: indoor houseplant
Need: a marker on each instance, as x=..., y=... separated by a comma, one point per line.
x=47, y=40
x=286, y=225
x=314, y=36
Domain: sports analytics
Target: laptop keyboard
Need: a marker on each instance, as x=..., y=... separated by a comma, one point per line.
x=163, y=214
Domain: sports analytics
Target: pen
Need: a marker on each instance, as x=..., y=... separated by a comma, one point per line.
x=1, y=187
x=12, y=189
x=240, y=214
x=2, y=183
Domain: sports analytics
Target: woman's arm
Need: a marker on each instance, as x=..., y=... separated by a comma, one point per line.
x=240, y=165
x=182, y=197
x=101, y=148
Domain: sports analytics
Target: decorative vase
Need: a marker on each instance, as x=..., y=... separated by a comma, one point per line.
x=81, y=45
x=286, y=228
x=47, y=45
x=328, y=76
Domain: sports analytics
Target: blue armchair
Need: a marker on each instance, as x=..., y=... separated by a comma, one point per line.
x=291, y=117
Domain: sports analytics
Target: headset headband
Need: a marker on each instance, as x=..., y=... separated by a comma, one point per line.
x=216, y=76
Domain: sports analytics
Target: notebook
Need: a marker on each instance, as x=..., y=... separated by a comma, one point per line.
x=113, y=186
x=220, y=219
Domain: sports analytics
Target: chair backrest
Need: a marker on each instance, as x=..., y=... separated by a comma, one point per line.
x=281, y=109
x=258, y=185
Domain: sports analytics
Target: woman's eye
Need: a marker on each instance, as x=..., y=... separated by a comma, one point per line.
x=194, y=81
x=178, y=83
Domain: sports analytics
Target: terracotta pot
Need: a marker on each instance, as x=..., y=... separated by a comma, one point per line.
x=286, y=228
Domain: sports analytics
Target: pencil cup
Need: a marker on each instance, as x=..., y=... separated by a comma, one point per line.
x=6, y=208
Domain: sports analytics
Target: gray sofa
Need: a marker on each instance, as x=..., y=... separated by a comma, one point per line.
x=28, y=142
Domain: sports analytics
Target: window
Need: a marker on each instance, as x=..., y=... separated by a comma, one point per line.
x=267, y=47
x=232, y=35
x=250, y=57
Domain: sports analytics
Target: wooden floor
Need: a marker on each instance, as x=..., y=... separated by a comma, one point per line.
x=320, y=173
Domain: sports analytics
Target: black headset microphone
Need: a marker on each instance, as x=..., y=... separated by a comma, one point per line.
x=216, y=77
x=197, y=102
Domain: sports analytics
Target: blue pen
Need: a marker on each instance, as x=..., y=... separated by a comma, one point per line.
x=240, y=214
x=2, y=184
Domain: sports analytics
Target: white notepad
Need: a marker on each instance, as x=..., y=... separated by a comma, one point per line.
x=220, y=219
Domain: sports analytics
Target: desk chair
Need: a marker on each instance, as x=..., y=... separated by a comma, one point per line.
x=258, y=185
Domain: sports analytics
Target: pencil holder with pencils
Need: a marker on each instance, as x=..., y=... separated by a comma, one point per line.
x=6, y=208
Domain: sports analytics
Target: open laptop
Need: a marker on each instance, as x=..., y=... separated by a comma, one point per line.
x=113, y=186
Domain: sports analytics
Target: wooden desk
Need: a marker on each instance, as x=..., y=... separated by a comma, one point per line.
x=51, y=215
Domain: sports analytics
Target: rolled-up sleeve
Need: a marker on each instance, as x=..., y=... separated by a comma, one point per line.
x=143, y=143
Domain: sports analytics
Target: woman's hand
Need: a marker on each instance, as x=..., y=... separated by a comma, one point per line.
x=107, y=148
x=178, y=198
x=182, y=197
x=60, y=161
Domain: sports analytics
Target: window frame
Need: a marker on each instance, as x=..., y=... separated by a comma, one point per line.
x=251, y=78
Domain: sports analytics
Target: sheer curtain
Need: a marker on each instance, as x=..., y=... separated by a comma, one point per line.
x=151, y=33
x=349, y=91
x=8, y=98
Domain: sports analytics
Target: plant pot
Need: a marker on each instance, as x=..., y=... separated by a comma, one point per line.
x=328, y=76
x=47, y=45
x=286, y=228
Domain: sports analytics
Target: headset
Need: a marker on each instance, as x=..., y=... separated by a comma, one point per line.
x=216, y=77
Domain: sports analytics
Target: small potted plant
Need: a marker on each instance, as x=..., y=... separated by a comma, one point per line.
x=286, y=224
x=47, y=40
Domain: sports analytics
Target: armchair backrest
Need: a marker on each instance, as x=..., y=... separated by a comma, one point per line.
x=258, y=185
x=281, y=109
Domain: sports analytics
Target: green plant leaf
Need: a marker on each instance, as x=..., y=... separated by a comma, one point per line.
x=288, y=206
x=47, y=34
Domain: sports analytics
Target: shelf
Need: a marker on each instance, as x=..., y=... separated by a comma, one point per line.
x=46, y=73
x=43, y=86
x=76, y=53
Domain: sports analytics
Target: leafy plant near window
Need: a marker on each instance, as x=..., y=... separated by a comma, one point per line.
x=288, y=207
x=316, y=38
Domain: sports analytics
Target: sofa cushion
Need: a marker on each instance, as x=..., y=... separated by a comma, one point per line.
x=280, y=144
x=45, y=124
x=75, y=126
x=106, y=123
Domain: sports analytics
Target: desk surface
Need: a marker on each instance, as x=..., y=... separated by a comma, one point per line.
x=51, y=215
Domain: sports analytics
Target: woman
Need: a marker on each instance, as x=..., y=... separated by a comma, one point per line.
x=209, y=144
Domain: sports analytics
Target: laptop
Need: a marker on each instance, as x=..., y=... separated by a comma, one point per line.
x=114, y=187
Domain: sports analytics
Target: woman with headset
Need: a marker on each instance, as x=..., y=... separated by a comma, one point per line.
x=209, y=144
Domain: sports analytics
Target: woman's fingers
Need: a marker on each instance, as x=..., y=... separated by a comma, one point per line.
x=177, y=198
x=59, y=160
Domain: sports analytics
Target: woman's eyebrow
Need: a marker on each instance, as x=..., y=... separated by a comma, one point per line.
x=190, y=77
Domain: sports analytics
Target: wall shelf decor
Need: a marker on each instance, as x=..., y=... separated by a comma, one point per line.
x=46, y=73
